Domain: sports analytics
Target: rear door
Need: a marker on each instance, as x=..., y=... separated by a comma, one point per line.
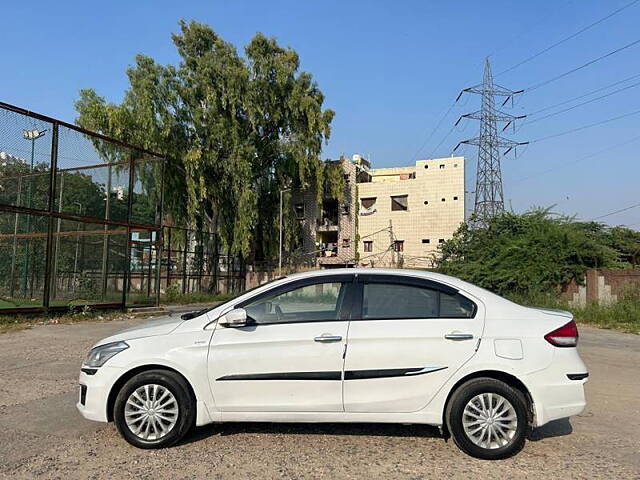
x=290, y=358
x=408, y=338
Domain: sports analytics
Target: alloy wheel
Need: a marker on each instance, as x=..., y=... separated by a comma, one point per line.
x=489, y=420
x=151, y=412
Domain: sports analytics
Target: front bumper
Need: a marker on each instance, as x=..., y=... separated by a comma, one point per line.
x=96, y=392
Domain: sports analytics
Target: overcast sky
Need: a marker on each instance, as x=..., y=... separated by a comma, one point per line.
x=390, y=70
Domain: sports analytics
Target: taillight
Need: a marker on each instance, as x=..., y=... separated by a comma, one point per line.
x=565, y=336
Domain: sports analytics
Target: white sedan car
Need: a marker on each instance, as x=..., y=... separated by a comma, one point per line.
x=347, y=345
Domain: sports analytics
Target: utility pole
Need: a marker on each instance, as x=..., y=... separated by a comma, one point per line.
x=280, y=242
x=489, y=200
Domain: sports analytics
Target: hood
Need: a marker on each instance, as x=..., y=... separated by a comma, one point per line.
x=158, y=326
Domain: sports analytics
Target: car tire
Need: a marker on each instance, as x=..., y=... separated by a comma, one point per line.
x=154, y=409
x=488, y=419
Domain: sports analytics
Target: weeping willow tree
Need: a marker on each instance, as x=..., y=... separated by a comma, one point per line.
x=236, y=129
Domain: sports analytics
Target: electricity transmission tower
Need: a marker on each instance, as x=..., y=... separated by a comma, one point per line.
x=489, y=200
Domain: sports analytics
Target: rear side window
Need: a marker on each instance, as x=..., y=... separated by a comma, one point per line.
x=456, y=306
x=397, y=301
x=382, y=300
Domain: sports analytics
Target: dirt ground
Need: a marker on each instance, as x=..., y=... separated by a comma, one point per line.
x=43, y=436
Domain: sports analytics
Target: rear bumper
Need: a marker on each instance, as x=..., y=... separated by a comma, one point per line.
x=556, y=397
x=560, y=401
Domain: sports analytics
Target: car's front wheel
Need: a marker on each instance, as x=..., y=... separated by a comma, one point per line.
x=488, y=419
x=154, y=409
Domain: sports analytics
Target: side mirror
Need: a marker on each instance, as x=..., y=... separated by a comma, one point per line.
x=234, y=318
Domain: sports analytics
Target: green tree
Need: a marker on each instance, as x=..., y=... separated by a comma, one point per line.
x=627, y=243
x=236, y=130
x=528, y=253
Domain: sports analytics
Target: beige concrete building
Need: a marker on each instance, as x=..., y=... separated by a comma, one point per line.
x=405, y=212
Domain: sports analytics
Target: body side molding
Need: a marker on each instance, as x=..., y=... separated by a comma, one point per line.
x=334, y=375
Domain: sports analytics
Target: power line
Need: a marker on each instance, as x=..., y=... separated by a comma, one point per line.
x=578, y=105
x=522, y=32
x=435, y=129
x=586, y=157
x=453, y=127
x=573, y=70
x=616, y=211
x=448, y=111
x=583, y=95
x=566, y=39
x=585, y=127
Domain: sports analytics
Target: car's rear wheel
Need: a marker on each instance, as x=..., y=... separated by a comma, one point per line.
x=488, y=419
x=154, y=409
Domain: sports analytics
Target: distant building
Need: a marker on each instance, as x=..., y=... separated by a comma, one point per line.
x=388, y=216
x=406, y=212
x=328, y=229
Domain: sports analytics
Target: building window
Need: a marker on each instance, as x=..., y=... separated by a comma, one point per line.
x=344, y=209
x=455, y=198
x=443, y=199
x=455, y=165
x=426, y=202
x=398, y=246
x=426, y=166
x=400, y=202
x=299, y=209
x=441, y=240
x=426, y=240
x=346, y=177
x=442, y=165
x=367, y=203
x=368, y=246
x=346, y=243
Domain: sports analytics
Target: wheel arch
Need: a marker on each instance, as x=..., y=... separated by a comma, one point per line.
x=128, y=375
x=502, y=376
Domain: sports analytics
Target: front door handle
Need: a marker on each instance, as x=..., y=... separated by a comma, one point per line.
x=459, y=336
x=326, y=338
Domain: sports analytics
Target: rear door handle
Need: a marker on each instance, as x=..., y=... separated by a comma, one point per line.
x=325, y=338
x=459, y=336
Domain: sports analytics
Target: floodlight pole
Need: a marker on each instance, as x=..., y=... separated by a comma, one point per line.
x=280, y=243
x=31, y=135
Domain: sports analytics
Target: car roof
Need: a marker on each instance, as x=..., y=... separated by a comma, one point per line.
x=405, y=272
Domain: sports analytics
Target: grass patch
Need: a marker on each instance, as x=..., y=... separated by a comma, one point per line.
x=187, y=298
x=623, y=315
x=13, y=323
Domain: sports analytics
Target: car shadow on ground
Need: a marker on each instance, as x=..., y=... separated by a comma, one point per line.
x=357, y=429
x=556, y=428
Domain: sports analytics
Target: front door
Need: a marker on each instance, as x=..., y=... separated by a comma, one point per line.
x=290, y=357
x=410, y=337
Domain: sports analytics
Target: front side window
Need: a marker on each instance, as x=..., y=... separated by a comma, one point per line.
x=398, y=301
x=310, y=303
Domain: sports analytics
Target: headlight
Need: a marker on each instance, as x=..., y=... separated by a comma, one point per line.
x=99, y=355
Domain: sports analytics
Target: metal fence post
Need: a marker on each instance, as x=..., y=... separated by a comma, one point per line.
x=184, y=261
x=48, y=271
x=127, y=262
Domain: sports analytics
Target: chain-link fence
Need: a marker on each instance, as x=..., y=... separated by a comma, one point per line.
x=81, y=222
